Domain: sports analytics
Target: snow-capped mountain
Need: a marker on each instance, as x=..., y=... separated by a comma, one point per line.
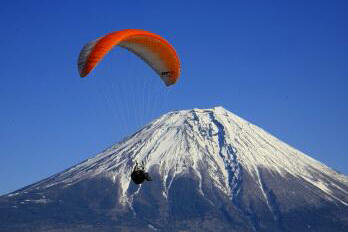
x=212, y=171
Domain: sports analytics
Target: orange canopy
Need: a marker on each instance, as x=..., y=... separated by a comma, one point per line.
x=152, y=48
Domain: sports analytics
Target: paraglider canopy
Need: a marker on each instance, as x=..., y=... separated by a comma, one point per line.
x=152, y=48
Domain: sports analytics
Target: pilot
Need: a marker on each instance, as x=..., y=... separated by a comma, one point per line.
x=139, y=175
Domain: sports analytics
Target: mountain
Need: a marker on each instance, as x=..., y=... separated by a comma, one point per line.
x=211, y=170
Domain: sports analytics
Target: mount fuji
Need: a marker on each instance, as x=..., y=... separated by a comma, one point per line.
x=211, y=171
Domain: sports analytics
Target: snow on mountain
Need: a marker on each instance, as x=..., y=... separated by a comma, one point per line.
x=215, y=140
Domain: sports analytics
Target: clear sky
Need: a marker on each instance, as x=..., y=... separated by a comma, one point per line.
x=283, y=65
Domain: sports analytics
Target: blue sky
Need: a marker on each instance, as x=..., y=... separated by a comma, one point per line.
x=280, y=64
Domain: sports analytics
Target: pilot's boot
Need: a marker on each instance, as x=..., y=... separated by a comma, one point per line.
x=147, y=177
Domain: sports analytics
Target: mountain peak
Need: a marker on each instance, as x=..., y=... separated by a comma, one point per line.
x=212, y=157
x=214, y=140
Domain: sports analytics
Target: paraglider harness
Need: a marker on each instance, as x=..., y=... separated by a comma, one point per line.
x=139, y=175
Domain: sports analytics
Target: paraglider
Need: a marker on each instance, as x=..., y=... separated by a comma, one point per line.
x=139, y=175
x=152, y=48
